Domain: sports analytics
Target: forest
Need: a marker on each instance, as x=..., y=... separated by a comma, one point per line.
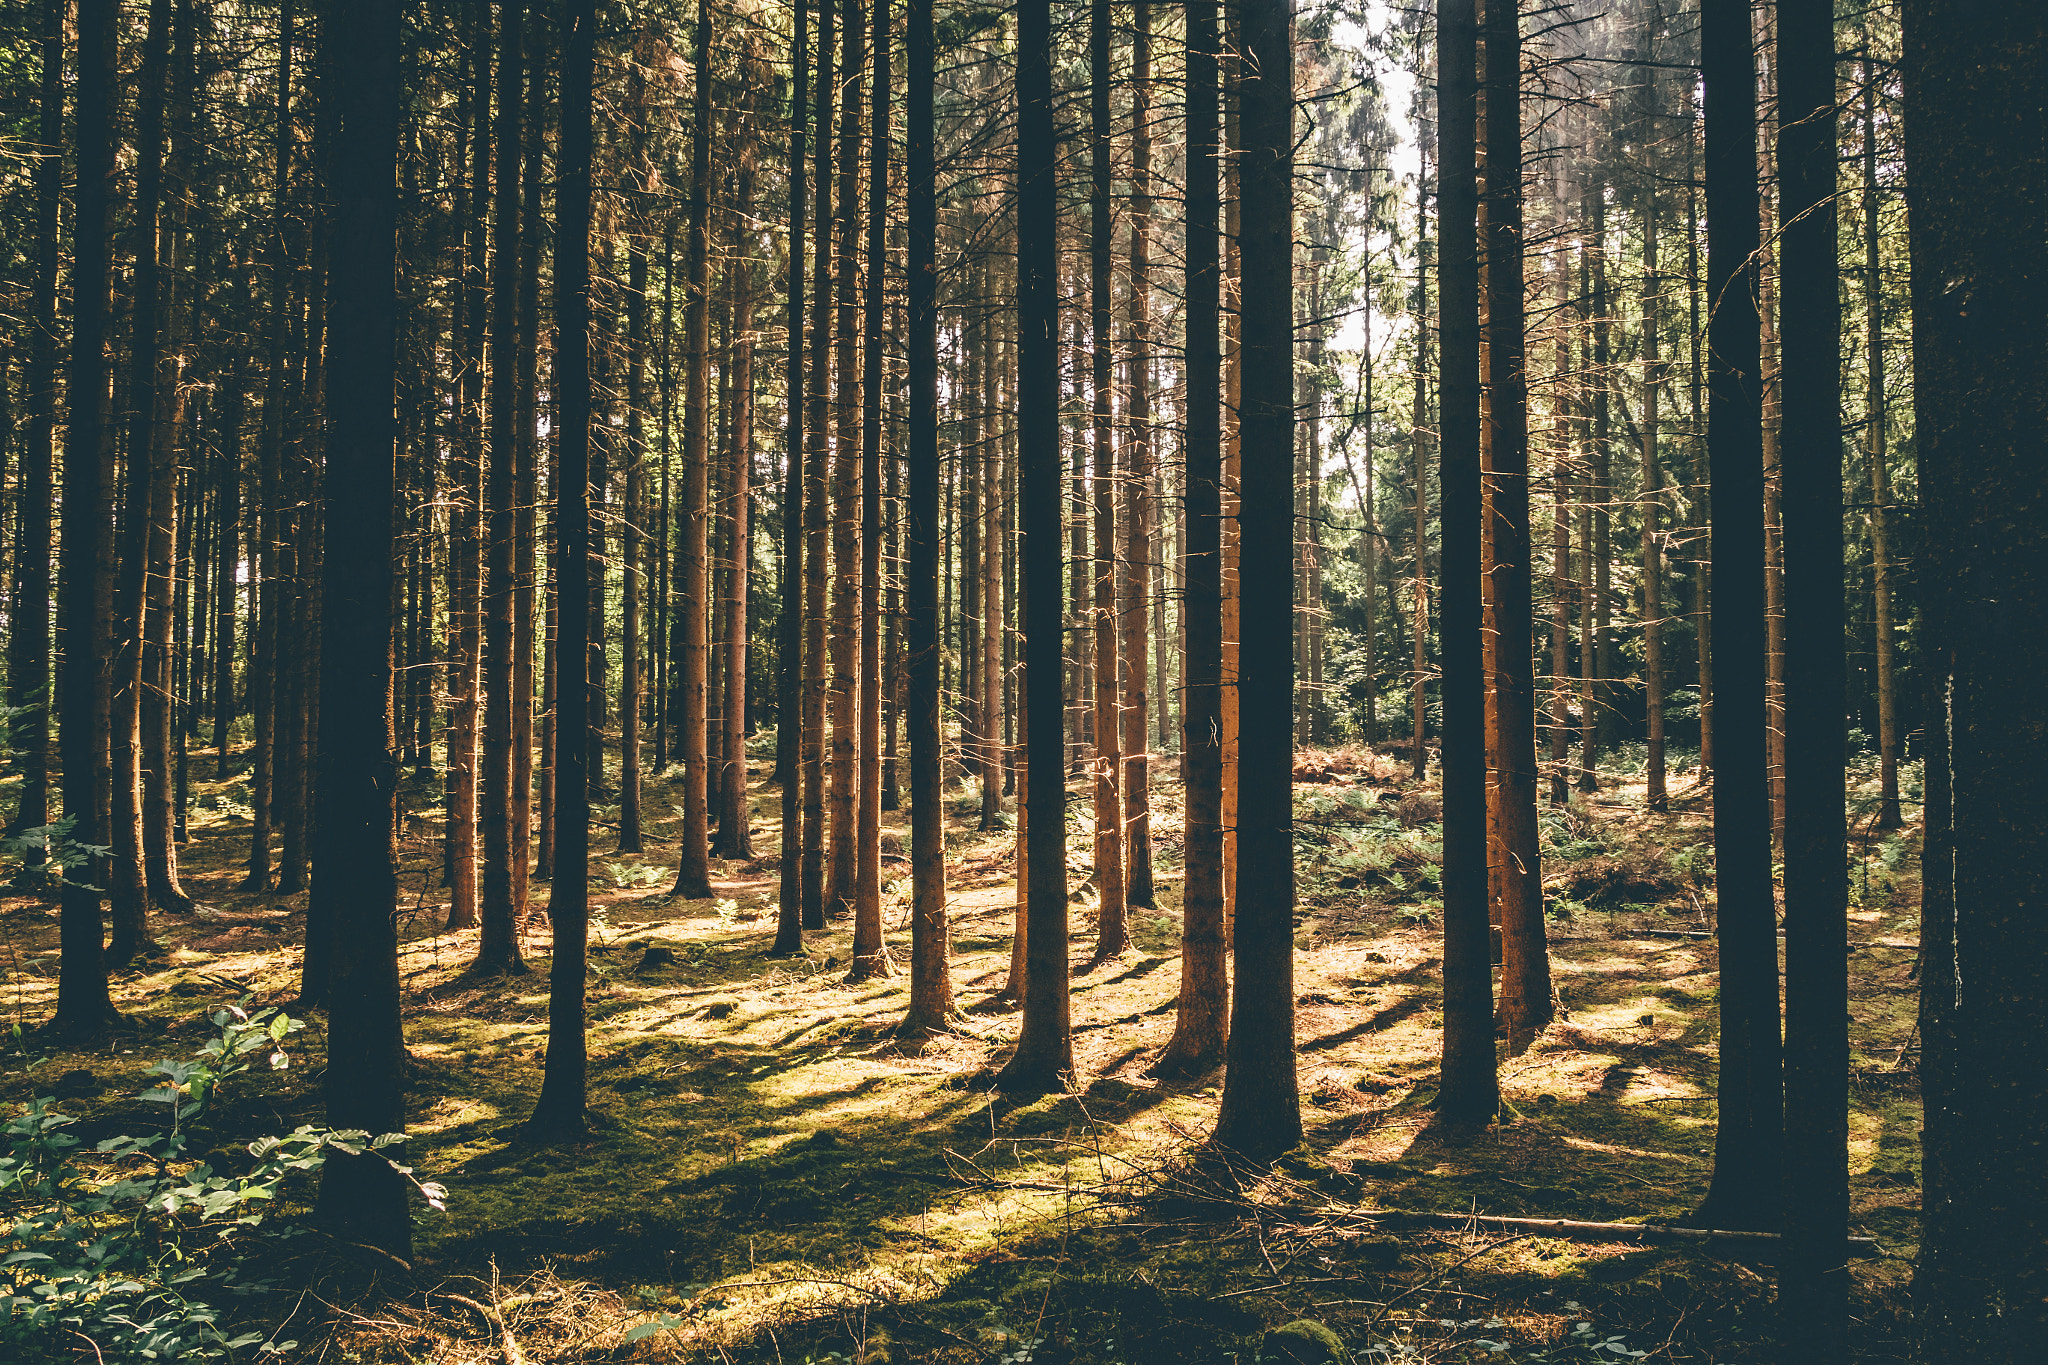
x=1322, y=681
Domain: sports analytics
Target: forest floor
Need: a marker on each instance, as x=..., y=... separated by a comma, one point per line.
x=770, y=1178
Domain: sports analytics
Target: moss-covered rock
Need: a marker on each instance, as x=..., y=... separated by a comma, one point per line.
x=1304, y=1342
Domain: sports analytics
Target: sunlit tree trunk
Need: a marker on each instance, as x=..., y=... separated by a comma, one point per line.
x=1201, y=1017
x=1112, y=929
x=498, y=899
x=870, y=956
x=1877, y=456
x=693, y=578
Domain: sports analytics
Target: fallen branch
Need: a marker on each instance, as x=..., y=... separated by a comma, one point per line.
x=1647, y=1234
x=507, y=1342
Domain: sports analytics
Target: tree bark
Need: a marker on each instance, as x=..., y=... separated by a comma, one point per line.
x=1044, y=1059
x=1813, y=1284
x=789, y=936
x=931, y=978
x=1260, y=1115
x=1470, y=1092
x=1877, y=456
x=84, y=1008
x=28, y=636
x=1980, y=207
x=1138, y=547
x=558, y=1115
x=1200, y=1017
x=870, y=955
x=362, y=1198
x=1113, y=934
x=693, y=578
x=1744, y=1193
x=816, y=473
x=498, y=899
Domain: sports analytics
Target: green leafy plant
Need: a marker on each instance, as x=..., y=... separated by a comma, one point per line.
x=43, y=856
x=127, y=1246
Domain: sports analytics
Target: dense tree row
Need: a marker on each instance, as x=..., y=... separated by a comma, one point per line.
x=500, y=421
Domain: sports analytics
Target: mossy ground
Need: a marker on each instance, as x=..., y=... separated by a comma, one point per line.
x=782, y=1181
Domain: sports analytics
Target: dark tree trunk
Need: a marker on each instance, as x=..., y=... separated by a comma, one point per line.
x=1980, y=209
x=558, y=1115
x=264, y=652
x=816, y=518
x=870, y=954
x=693, y=577
x=83, y=1005
x=1471, y=1092
x=1813, y=1282
x=139, y=545
x=1138, y=501
x=1261, y=1115
x=931, y=976
x=362, y=1198
x=1044, y=1059
x=1744, y=1192
x=789, y=936
x=498, y=895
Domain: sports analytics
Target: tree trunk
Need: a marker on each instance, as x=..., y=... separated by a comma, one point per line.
x=1526, y=998
x=466, y=511
x=1113, y=934
x=734, y=813
x=84, y=1008
x=1138, y=548
x=1260, y=1115
x=1044, y=1059
x=816, y=474
x=28, y=636
x=931, y=977
x=141, y=547
x=362, y=1198
x=498, y=900
x=1981, y=388
x=693, y=577
x=1877, y=457
x=1470, y=1092
x=870, y=955
x=1813, y=1283
x=558, y=1115
x=1744, y=1193
x=1200, y=1016
x=525, y=476
x=1653, y=486
x=789, y=936
x=632, y=533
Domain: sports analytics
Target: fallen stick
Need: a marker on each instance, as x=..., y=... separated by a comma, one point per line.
x=1649, y=1234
